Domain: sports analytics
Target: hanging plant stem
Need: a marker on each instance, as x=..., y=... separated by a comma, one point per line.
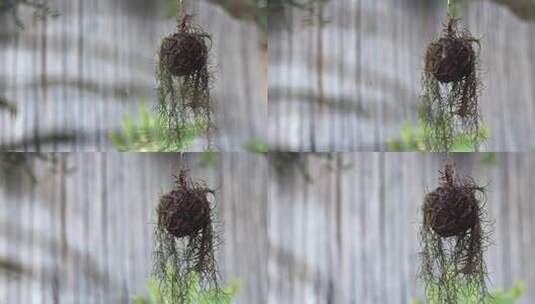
x=184, y=79
x=454, y=8
x=186, y=241
x=449, y=104
x=453, y=239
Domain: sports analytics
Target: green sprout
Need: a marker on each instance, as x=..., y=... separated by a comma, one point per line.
x=147, y=135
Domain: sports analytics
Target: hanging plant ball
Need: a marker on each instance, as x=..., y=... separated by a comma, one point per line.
x=184, y=53
x=184, y=212
x=185, y=240
x=451, y=58
x=453, y=238
x=451, y=209
x=184, y=77
x=449, y=108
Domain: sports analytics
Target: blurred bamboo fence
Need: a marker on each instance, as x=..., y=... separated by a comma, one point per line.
x=350, y=225
x=74, y=78
x=334, y=229
x=347, y=76
x=83, y=232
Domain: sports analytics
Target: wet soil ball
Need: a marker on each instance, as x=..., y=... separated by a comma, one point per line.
x=184, y=212
x=451, y=210
x=450, y=59
x=184, y=53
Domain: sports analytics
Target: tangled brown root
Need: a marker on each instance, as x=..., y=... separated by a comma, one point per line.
x=451, y=58
x=184, y=53
x=451, y=87
x=184, y=211
x=453, y=240
x=451, y=210
x=186, y=240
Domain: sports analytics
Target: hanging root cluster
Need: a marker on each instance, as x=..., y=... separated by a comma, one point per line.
x=184, y=80
x=186, y=241
x=453, y=240
x=449, y=107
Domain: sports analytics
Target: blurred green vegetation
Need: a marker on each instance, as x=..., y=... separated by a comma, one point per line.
x=41, y=10
x=158, y=292
x=288, y=163
x=490, y=158
x=302, y=4
x=208, y=158
x=256, y=146
x=12, y=164
x=255, y=10
x=455, y=7
x=7, y=105
x=147, y=135
x=413, y=139
x=523, y=9
x=509, y=296
x=11, y=267
x=240, y=9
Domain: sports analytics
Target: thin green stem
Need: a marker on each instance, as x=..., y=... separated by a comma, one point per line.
x=454, y=8
x=180, y=8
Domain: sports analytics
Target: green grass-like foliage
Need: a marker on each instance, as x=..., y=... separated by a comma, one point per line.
x=147, y=135
x=509, y=296
x=413, y=138
x=159, y=291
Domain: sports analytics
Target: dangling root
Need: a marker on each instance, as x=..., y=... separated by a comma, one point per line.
x=453, y=240
x=449, y=107
x=186, y=241
x=184, y=80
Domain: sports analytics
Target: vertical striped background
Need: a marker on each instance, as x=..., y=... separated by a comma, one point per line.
x=350, y=84
x=83, y=232
x=341, y=228
x=76, y=77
